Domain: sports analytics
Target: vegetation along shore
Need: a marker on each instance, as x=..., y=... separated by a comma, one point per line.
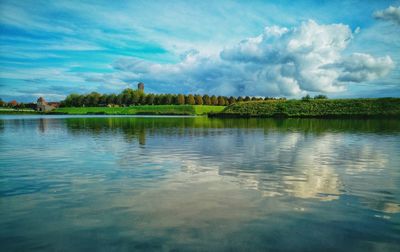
x=308, y=107
x=137, y=102
x=142, y=110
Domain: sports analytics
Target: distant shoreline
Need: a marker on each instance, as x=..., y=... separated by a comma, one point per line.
x=174, y=110
x=312, y=108
x=10, y=111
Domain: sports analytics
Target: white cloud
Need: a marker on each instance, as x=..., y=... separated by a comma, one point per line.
x=280, y=61
x=13, y=14
x=42, y=74
x=50, y=96
x=391, y=14
x=111, y=81
x=294, y=59
x=361, y=67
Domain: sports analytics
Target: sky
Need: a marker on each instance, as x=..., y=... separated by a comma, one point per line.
x=257, y=48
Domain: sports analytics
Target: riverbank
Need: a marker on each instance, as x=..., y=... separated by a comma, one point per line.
x=142, y=110
x=11, y=111
x=329, y=108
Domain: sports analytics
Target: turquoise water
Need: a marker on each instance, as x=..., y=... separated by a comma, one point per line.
x=182, y=184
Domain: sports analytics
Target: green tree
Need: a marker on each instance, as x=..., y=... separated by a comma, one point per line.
x=157, y=99
x=247, y=98
x=320, y=97
x=214, y=100
x=119, y=100
x=198, y=99
x=103, y=100
x=167, y=99
x=112, y=99
x=142, y=98
x=126, y=98
x=206, y=100
x=190, y=100
x=80, y=101
x=1, y=103
x=306, y=98
x=93, y=99
x=71, y=100
x=150, y=99
x=180, y=99
x=174, y=99
x=231, y=100
x=85, y=100
x=135, y=97
x=221, y=101
x=161, y=100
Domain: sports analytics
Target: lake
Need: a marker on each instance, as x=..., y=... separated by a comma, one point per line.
x=192, y=183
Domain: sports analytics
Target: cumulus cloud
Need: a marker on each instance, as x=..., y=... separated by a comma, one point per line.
x=360, y=67
x=391, y=14
x=280, y=61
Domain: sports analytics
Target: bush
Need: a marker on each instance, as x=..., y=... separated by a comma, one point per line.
x=320, y=97
x=317, y=108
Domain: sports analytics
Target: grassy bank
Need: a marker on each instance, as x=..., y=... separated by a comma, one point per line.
x=383, y=107
x=143, y=110
x=11, y=111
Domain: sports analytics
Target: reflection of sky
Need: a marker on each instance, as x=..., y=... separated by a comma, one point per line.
x=183, y=182
x=296, y=164
x=276, y=163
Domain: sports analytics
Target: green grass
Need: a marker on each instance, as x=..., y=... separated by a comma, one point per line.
x=143, y=109
x=388, y=107
x=17, y=111
x=205, y=109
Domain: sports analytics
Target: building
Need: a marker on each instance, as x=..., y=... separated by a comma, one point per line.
x=43, y=106
x=13, y=103
x=140, y=86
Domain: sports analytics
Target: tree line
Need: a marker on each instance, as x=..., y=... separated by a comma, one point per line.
x=130, y=97
x=17, y=105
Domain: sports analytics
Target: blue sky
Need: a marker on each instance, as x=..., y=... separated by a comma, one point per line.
x=257, y=48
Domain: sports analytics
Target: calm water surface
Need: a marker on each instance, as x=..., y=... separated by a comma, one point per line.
x=143, y=183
